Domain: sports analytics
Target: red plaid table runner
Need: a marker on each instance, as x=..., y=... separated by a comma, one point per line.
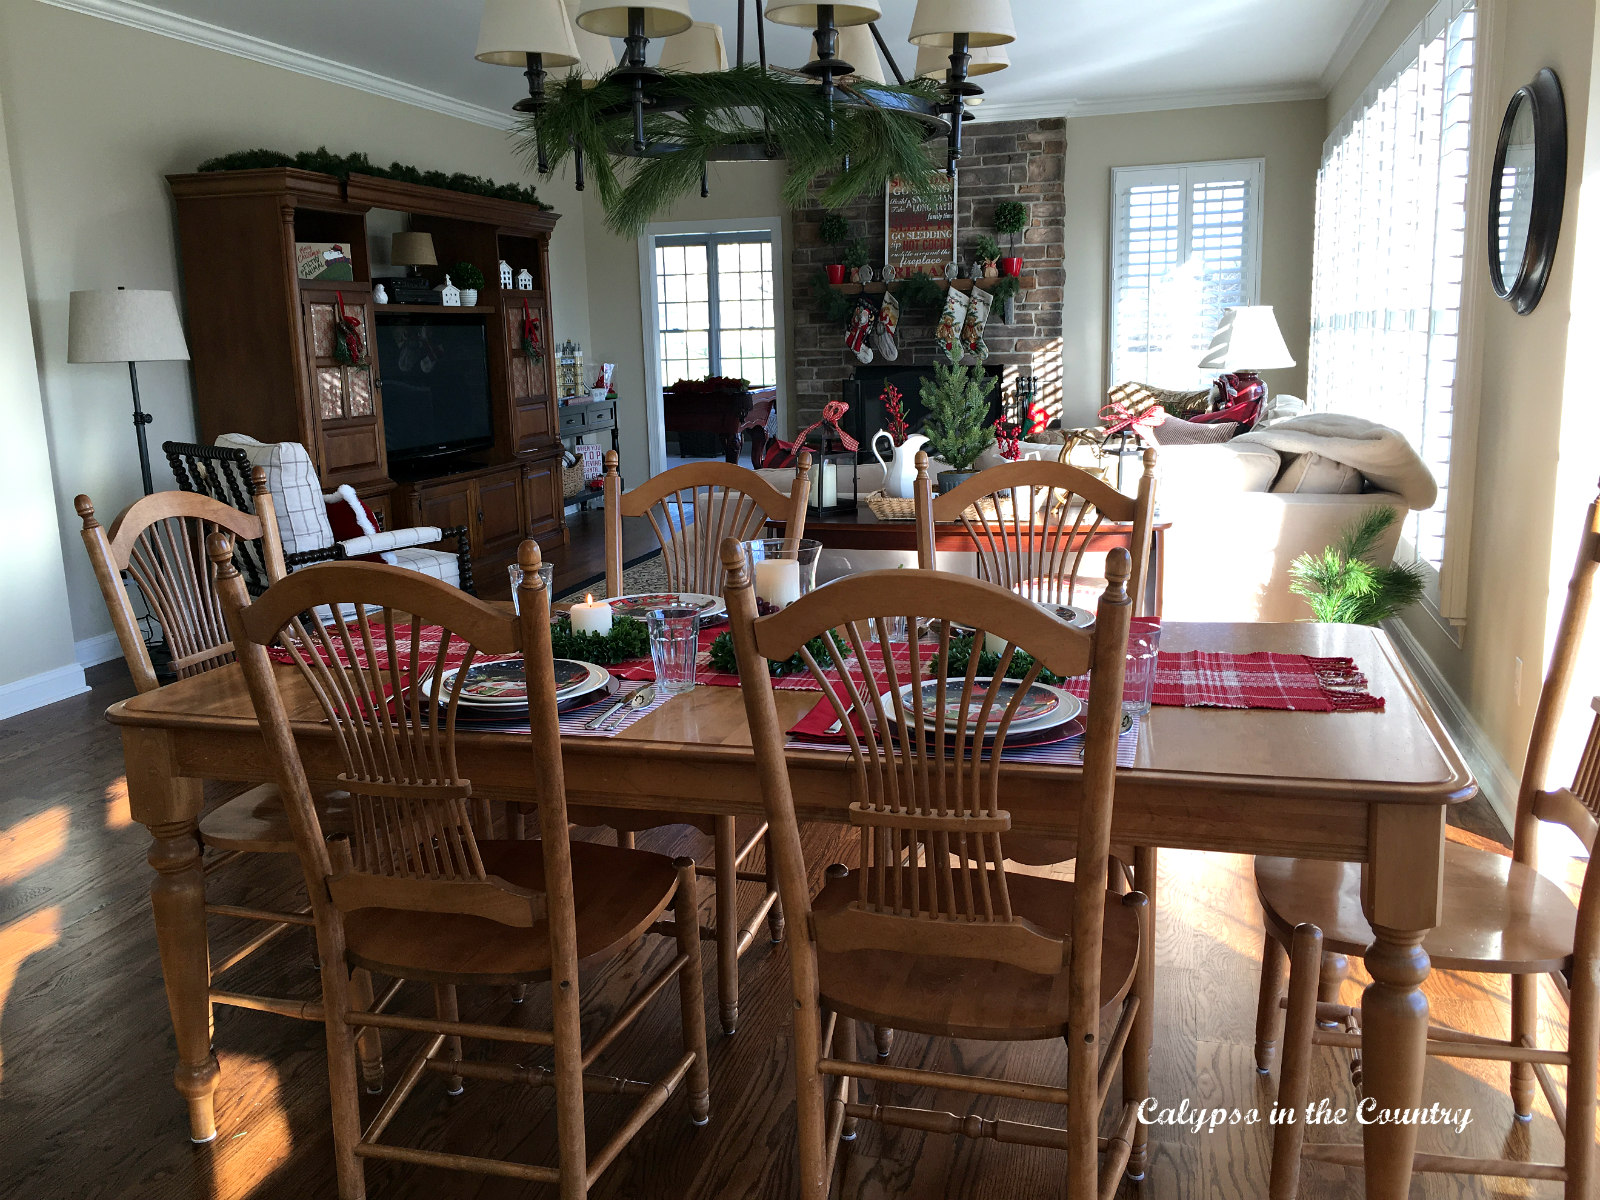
x=1184, y=679
x=427, y=649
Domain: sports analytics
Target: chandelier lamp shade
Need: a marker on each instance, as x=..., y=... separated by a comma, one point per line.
x=934, y=61
x=647, y=132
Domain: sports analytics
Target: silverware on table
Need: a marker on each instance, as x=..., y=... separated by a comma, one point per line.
x=605, y=715
x=637, y=700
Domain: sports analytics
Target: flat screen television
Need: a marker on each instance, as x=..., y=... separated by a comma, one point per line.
x=435, y=371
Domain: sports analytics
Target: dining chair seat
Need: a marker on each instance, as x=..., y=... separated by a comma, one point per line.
x=617, y=895
x=1499, y=915
x=974, y=998
x=256, y=823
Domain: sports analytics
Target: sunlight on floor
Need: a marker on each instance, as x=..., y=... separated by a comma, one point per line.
x=33, y=933
x=118, y=815
x=33, y=843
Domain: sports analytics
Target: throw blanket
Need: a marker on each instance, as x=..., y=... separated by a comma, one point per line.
x=1378, y=452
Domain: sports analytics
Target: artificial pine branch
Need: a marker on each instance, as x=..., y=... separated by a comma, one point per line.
x=1343, y=585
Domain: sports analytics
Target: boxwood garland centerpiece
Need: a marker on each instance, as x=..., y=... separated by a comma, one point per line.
x=628, y=639
x=871, y=132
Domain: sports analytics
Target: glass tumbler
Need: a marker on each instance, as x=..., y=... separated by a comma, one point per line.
x=1139, y=679
x=547, y=572
x=674, y=646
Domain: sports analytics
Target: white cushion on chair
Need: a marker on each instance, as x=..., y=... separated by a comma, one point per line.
x=296, y=491
x=430, y=562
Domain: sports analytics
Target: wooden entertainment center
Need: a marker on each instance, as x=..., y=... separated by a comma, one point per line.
x=261, y=341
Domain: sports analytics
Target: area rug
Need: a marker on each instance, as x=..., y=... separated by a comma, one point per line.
x=648, y=574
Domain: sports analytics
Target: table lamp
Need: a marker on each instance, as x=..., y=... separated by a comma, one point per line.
x=132, y=327
x=412, y=250
x=1247, y=341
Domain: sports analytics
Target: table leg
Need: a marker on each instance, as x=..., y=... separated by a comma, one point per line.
x=1401, y=892
x=169, y=807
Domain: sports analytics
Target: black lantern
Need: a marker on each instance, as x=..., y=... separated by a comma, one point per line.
x=833, y=480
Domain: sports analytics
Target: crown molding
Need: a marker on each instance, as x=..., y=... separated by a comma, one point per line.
x=1040, y=109
x=150, y=19
x=1366, y=20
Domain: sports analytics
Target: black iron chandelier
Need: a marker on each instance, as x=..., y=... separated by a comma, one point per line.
x=663, y=103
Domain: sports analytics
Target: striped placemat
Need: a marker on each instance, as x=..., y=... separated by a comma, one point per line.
x=574, y=722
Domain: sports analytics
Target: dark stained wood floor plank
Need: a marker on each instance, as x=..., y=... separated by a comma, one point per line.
x=87, y=1107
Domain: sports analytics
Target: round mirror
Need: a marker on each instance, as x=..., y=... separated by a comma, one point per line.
x=1528, y=187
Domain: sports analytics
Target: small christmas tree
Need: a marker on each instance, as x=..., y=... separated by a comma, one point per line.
x=957, y=399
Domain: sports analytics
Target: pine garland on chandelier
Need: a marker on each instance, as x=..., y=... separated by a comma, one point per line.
x=860, y=145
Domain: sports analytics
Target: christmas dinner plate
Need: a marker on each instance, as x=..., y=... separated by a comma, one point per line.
x=502, y=684
x=1042, y=705
x=640, y=603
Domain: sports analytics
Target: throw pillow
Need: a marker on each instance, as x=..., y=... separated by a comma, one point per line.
x=1314, y=475
x=349, y=518
x=296, y=490
x=1175, y=431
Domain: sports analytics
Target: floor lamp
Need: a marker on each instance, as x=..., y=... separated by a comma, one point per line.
x=131, y=327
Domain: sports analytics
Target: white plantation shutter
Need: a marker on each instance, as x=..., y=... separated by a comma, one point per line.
x=1186, y=245
x=1390, y=252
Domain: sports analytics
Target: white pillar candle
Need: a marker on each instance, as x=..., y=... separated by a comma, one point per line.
x=591, y=616
x=825, y=485
x=778, y=581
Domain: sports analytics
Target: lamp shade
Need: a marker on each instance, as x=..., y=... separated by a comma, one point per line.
x=662, y=18
x=594, y=51
x=985, y=22
x=786, y=12
x=858, y=48
x=412, y=250
x=1247, y=339
x=699, y=49
x=513, y=29
x=934, y=61
x=124, y=326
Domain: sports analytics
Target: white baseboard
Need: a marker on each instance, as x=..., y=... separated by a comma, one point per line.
x=25, y=695
x=93, y=651
x=1496, y=780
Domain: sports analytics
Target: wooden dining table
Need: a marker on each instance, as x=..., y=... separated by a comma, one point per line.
x=1368, y=787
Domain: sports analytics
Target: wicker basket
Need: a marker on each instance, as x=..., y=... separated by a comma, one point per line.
x=572, y=480
x=892, y=508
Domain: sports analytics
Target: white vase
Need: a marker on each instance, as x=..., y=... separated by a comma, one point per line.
x=469, y=296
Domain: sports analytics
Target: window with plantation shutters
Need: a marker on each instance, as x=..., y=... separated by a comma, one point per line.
x=1186, y=245
x=1391, y=247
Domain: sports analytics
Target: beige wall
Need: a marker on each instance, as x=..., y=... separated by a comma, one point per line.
x=1288, y=135
x=33, y=582
x=1523, y=527
x=738, y=190
x=97, y=114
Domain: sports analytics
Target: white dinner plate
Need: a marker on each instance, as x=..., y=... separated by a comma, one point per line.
x=1043, y=706
x=640, y=603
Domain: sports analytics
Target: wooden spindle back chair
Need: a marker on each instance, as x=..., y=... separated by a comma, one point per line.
x=416, y=891
x=1498, y=918
x=691, y=509
x=1020, y=958
x=1032, y=522
x=159, y=542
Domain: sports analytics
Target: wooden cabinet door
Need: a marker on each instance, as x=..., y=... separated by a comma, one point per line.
x=533, y=416
x=446, y=504
x=541, y=482
x=344, y=396
x=499, y=514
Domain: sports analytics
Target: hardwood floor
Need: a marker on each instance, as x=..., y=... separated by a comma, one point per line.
x=583, y=559
x=87, y=1107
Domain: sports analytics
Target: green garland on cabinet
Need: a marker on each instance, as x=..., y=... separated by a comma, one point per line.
x=342, y=166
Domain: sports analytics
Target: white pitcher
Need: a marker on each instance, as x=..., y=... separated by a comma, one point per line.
x=901, y=471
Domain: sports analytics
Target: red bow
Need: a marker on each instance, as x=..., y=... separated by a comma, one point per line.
x=832, y=413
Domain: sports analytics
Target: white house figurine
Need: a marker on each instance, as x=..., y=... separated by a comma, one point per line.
x=450, y=295
x=524, y=280
x=505, y=276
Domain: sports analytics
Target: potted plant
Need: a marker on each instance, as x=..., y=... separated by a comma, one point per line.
x=1343, y=585
x=1011, y=218
x=957, y=425
x=835, y=232
x=469, y=279
x=985, y=254
x=856, y=259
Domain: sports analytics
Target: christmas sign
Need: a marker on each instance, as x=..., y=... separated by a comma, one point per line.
x=919, y=236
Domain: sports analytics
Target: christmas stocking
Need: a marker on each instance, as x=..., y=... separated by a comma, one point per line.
x=948, y=331
x=977, y=318
x=857, y=331
x=885, y=338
